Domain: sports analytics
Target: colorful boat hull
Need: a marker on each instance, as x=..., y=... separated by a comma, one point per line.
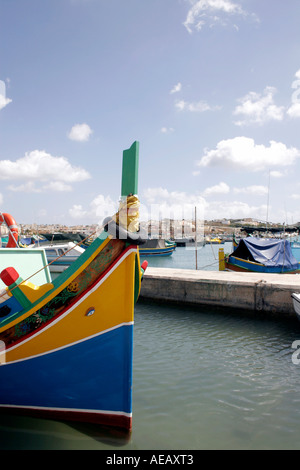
x=76, y=363
x=38, y=385
x=66, y=346
x=236, y=264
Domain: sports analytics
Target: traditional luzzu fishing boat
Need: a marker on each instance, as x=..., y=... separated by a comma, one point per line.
x=263, y=256
x=67, y=344
x=157, y=247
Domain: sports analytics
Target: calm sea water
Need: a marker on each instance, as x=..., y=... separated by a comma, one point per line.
x=203, y=378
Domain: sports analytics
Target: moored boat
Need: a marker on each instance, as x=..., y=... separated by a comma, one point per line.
x=60, y=255
x=215, y=241
x=157, y=247
x=262, y=255
x=46, y=238
x=67, y=343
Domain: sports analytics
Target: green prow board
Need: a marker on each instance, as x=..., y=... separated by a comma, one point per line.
x=130, y=170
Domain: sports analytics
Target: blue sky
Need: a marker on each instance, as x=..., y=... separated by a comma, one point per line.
x=210, y=89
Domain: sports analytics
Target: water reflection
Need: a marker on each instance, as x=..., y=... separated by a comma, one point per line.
x=202, y=379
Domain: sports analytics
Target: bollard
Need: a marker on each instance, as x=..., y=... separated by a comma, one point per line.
x=221, y=259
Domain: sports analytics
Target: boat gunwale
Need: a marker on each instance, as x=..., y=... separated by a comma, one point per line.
x=68, y=309
x=59, y=283
x=228, y=263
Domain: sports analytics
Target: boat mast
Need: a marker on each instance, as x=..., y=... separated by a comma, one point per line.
x=268, y=203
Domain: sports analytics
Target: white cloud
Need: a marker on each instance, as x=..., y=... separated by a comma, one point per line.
x=277, y=174
x=77, y=211
x=176, y=88
x=102, y=206
x=3, y=100
x=160, y=202
x=235, y=210
x=40, y=165
x=99, y=208
x=294, y=110
x=80, y=132
x=211, y=12
x=58, y=186
x=28, y=187
x=221, y=188
x=167, y=130
x=40, y=168
x=196, y=107
x=243, y=153
x=253, y=190
x=259, y=108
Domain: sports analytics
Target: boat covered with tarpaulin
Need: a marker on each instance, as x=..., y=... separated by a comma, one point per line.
x=67, y=343
x=262, y=255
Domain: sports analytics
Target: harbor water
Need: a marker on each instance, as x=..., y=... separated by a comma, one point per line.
x=203, y=378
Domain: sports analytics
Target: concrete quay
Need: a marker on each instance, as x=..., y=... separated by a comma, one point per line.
x=268, y=293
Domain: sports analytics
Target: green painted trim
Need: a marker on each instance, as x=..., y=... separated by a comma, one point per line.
x=65, y=275
x=130, y=170
x=18, y=294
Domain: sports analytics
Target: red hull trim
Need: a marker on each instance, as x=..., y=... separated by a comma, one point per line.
x=120, y=422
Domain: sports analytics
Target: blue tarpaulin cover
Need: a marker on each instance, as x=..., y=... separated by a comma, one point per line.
x=269, y=252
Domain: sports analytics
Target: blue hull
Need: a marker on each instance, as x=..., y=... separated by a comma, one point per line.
x=92, y=377
x=158, y=252
x=234, y=264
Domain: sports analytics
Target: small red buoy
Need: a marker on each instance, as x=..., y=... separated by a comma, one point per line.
x=144, y=265
x=9, y=276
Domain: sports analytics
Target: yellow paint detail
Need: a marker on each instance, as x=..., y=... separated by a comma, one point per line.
x=248, y=261
x=33, y=292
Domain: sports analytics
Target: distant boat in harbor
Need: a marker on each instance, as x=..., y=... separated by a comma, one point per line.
x=157, y=247
x=215, y=241
x=262, y=255
x=60, y=255
x=63, y=237
x=189, y=242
